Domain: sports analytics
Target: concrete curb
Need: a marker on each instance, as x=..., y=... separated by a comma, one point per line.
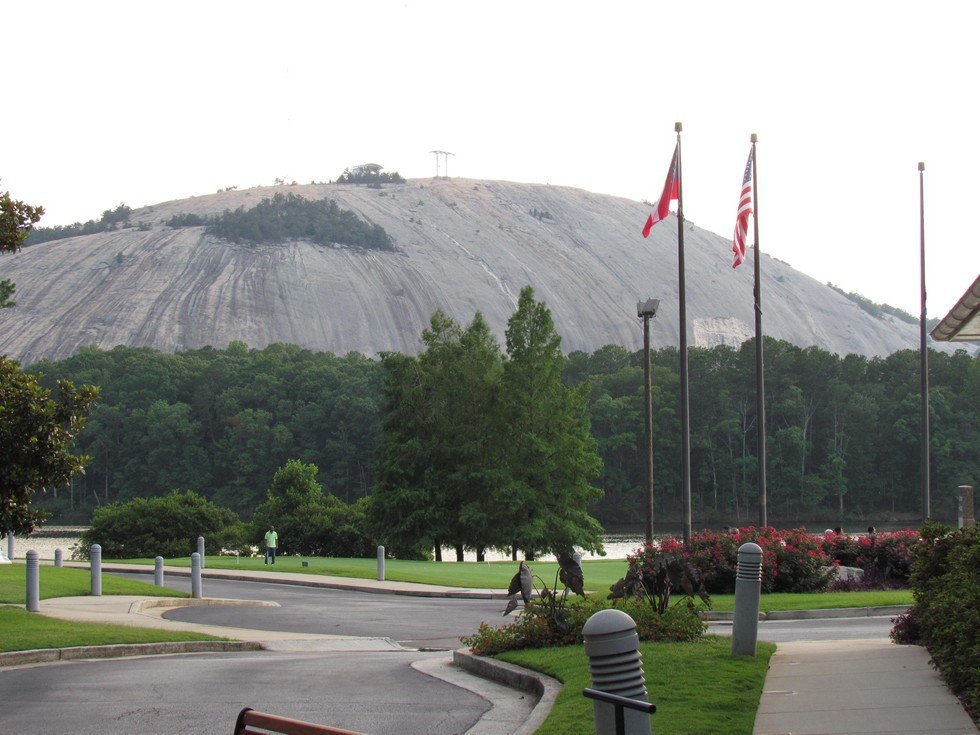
x=51, y=655
x=839, y=612
x=543, y=687
x=139, y=606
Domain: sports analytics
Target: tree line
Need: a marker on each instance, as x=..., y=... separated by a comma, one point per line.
x=843, y=432
x=283, y=217
x=111, y=219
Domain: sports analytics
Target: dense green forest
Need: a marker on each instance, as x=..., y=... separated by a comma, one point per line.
x=843, y=433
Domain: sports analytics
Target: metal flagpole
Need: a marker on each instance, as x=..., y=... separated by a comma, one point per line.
x=923, y=350
x=682, y=313
x=760, y=381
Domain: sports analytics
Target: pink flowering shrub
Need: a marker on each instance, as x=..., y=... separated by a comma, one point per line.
x=886, y=557
x=792, y=561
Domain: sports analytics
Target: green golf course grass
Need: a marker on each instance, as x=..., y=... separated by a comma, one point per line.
x=699, y=688
x=599, y=575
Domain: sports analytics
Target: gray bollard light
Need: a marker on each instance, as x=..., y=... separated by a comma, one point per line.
x=381, y=563
x=95, y=559
x=10, y=546
x=196, y=575
x=200, y=549
x=33, y=587
x=612, y=645
x=158, y=571
x=748, y=588
x=58, y=558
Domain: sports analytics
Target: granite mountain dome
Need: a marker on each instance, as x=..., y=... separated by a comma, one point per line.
x=460, y=245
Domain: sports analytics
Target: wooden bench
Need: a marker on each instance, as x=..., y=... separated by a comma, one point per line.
x=248, y=719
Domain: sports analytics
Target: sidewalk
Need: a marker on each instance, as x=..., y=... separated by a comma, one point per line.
x=857, y=687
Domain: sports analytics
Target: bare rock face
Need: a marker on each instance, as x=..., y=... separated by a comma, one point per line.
x=461, y=246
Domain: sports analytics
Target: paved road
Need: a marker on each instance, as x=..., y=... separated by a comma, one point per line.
x=430, y=623
x=414, y=622
x=162, y=695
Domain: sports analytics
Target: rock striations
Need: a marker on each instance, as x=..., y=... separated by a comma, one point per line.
x=461, y=245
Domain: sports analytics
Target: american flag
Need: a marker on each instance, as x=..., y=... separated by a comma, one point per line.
x=744, y=210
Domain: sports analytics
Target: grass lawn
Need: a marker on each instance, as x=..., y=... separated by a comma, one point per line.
x=70, y=582
x=699, y=688
x=24, y=631
x=599, y=575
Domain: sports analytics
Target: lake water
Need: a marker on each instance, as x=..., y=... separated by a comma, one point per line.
x=617, y=545
x=46, y=540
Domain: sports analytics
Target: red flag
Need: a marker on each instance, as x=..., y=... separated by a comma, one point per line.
x=671, y=192
x=744, y=210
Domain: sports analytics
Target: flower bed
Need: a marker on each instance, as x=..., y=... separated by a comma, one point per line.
x=792, y=561
x=884, y=557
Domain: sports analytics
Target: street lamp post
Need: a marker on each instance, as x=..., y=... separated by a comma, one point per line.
x=646, y=310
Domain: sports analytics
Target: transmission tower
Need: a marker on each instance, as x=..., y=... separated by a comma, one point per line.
x=445, y=157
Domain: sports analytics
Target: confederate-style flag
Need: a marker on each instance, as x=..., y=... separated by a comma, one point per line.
x=671, y=193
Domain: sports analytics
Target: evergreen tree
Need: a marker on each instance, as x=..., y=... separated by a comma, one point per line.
x=550, y=456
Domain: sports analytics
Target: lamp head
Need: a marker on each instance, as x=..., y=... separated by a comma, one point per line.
x=647, y=308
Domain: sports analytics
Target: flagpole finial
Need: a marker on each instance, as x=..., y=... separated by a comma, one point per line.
x=753, y=138
x=678, y=127
x=922, y=165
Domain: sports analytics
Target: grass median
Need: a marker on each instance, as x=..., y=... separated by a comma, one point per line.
x=699, y=688
x=70, y=582
x=599, y=575
x=25, y=631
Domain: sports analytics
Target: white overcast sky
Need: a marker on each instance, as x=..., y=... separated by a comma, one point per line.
x=143, y=102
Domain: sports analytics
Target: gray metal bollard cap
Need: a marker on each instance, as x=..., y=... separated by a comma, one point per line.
x=609, y=621
x=748, y=550
x=608, y=633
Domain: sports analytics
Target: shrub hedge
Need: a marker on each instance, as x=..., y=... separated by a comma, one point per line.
x=946, y=586
x=792, y=561
x=166, y=526
x=883, y=556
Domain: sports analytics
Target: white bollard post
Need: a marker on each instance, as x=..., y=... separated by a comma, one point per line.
x=58, y=558
x=196, y=591
x=95, y=559
x=158, y=571
x=200, y=549
x=381, y=563
x=748, y=588
x=613, y=647
x=33, y=587
x=10, y=545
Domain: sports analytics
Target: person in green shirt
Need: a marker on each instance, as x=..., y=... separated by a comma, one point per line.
x=271, y=541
